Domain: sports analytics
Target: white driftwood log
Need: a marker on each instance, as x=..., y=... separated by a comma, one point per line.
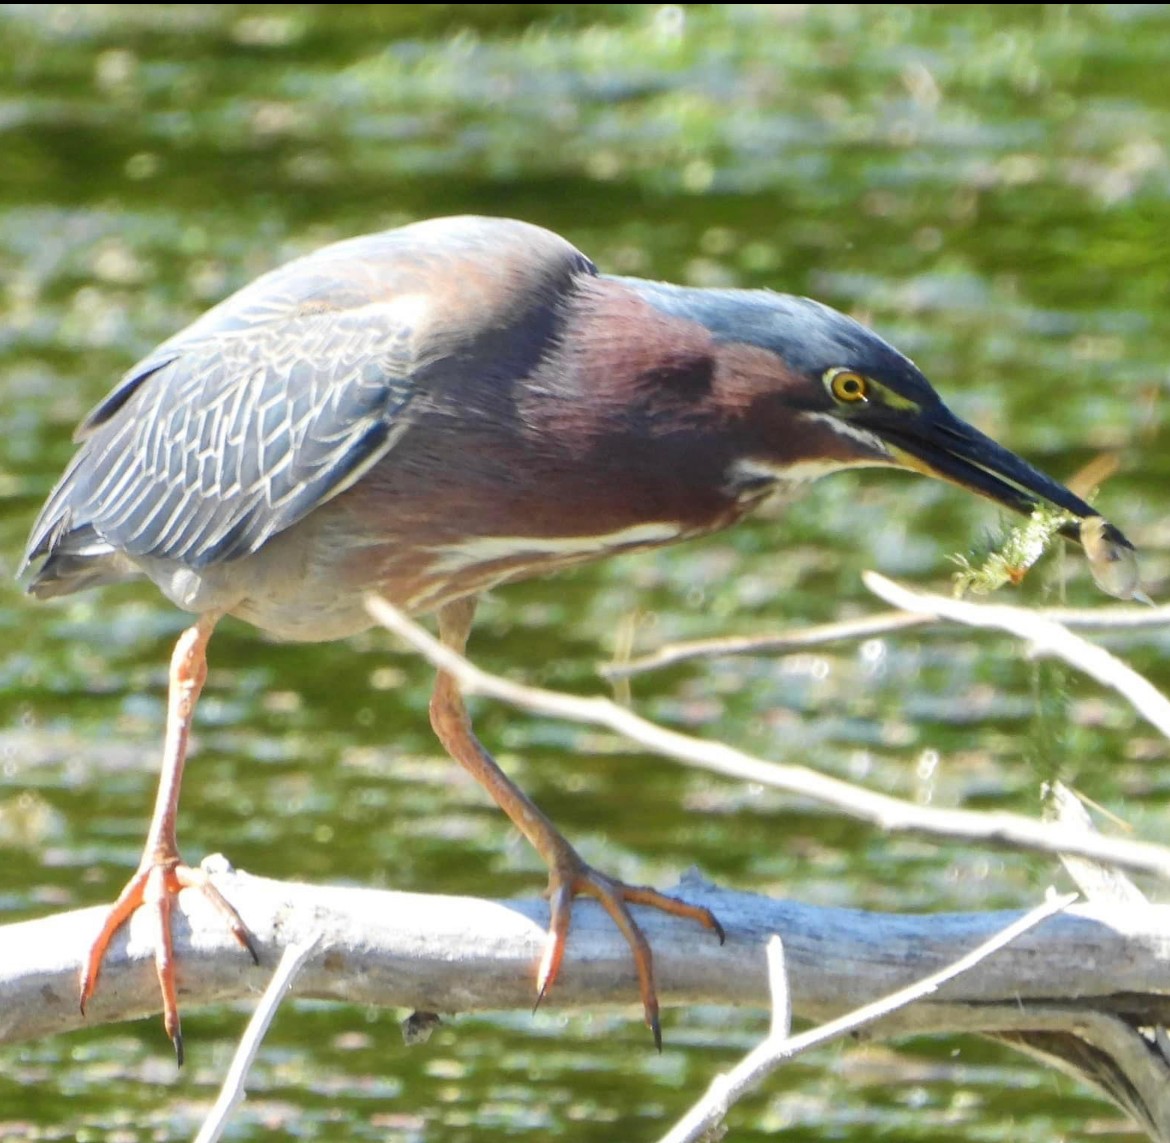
x=460, y=954
x=1081, y=985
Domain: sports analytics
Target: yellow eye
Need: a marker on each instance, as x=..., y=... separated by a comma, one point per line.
x=847, y=386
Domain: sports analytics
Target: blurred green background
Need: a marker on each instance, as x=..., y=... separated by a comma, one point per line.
x=986, y=186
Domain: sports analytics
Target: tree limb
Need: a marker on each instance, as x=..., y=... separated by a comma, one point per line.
x=459, y=954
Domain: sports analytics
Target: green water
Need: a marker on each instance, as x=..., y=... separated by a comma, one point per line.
x=986, y=186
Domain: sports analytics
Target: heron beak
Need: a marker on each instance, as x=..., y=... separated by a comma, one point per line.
x=939, y=444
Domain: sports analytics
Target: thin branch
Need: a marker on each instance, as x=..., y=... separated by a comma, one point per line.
x=888, y=813
x=1111, y=1053
x=778, y=988
x=231, y=1094
x=867, y=627
x=775, y=1050
x=797, y=639
x=1046, y=636
x=1096, y=882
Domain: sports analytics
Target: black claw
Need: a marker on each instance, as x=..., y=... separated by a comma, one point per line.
x=250, y=945
x=656, y=1031
x=177, y=1040
x=539, y=999
x=719, y=929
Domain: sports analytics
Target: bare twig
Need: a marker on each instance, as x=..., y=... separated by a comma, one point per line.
x=1046, y=636
x=867, y=627
x=775, y=1050
x=797, y=639
x=231, y=1093
x=779, y=988
x=1096, y=881
x=888, y=813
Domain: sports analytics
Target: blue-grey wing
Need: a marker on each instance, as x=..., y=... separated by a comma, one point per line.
x=286, y=393
x=228, y=442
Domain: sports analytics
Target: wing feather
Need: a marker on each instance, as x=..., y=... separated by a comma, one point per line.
x=203, y=457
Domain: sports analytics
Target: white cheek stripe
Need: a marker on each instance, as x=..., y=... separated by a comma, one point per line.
x=800, y=473
x=845, y=429
x=488, y=549
x=803, y=471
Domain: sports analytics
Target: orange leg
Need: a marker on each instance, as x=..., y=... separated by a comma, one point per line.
x=161, y=873
x=569, y=875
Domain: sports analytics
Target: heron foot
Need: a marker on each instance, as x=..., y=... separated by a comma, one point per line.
x=154, y=887
x=571, y=877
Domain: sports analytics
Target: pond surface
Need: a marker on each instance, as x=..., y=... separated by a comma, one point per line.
x=988, y=187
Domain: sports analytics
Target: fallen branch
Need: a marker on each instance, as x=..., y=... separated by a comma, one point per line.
x=459, y=954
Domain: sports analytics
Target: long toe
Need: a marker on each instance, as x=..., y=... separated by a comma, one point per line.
x=131, y=897
x=577, y=879
x=190, y=878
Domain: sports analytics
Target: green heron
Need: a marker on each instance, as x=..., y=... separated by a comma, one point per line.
x=435, y=410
